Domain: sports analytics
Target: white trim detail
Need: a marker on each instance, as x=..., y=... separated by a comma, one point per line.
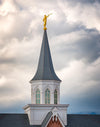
x=38, y=112
x=55, y=113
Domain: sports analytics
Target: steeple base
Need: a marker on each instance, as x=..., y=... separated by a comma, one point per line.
x=41, y=114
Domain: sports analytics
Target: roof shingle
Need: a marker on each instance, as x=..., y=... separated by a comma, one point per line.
x=45, y=70
x=21, y=120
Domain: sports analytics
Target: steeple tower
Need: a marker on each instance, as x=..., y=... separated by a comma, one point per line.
x=45, y=80
x=45, y=107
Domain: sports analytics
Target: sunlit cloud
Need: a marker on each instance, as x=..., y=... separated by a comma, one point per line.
x=82, y=13
x=2, y=80
x=7, y=7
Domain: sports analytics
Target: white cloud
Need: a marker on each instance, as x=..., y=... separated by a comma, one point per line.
x=83, y=14
x=79, y=77
x=8, y=7
x=2, y=80
x=13, y=88
x=69, y=38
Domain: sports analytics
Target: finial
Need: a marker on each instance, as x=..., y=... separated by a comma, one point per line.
x=45, y=21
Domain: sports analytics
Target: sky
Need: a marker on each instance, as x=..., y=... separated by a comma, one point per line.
x=74, y=38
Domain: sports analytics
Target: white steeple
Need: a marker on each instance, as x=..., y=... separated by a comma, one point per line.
x=45, y=85
x=45, y=107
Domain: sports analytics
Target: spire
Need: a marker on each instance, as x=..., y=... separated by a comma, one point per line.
x=45, y=70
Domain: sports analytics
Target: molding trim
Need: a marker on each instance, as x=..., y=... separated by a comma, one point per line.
x=45, y=105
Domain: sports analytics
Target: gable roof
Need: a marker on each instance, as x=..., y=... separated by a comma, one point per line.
x=83, y=120
x=21, y=120
x=15, y=120
x=45, y=121
x=45, y=70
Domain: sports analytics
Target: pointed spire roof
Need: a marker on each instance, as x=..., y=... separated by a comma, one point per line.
x=45, y=70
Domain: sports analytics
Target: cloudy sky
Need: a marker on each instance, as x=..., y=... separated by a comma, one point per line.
x=74, y=38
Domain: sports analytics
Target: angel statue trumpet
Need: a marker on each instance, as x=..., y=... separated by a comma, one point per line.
x=45, y=20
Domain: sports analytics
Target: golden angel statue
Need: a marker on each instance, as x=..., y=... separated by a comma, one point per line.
x=45, y=20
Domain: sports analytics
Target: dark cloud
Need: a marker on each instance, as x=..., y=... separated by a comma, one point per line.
x=87, y=48
x=16, y=107
x=56, y=29
x=86, y=102
x=7, y=60
x=85, y=1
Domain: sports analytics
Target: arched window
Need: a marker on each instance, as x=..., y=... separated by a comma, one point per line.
x=47, y=96
x=37, y=96
x=55, y=97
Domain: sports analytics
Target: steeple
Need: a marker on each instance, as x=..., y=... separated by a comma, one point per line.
x=45, y=106
x=45, y=70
